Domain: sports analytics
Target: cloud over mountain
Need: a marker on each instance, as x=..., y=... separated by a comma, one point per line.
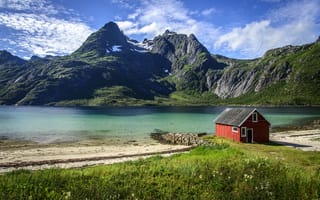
x=294, y=22
x=40, y=28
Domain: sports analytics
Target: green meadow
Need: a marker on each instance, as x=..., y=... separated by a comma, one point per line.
x=222, y=170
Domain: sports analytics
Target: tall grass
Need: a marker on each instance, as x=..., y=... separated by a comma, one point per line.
x=210, y=172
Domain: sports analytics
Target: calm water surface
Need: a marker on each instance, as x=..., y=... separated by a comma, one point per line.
x=58, y=124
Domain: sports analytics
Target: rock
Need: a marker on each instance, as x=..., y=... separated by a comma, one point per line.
x=188, y=139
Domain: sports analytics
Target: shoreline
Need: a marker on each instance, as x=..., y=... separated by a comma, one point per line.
x=20, y=154
x=305, y=140
x=29, y=155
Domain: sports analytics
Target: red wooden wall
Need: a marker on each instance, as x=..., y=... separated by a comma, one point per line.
x=225, y=131
x=260, y=130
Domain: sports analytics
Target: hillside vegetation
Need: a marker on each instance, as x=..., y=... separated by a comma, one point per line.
x=224, y=170
x=172, y=69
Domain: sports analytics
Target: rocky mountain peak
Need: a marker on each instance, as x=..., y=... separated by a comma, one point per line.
x=112, y=34
x=169, y=33
x=182, y=51
x=9, y=59
x=108, y=39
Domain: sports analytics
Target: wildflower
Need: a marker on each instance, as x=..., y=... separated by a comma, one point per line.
x=67, y=195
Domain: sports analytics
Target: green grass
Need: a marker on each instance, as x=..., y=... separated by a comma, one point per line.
x=194, y=98
x=225, y=170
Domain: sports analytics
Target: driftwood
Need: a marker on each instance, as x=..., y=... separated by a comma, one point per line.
x=188, y=139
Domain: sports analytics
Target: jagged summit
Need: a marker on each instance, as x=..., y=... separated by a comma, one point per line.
x=107, y=39
x=6, y=58
x=110, y=40
x=183, y=51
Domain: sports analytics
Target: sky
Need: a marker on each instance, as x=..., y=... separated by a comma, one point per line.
x=234, y=28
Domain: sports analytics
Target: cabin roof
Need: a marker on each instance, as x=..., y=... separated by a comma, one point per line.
x=234, y=116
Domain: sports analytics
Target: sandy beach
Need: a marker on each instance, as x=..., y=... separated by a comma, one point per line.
x=29, y=155
x=306, y=140
x=18, y=155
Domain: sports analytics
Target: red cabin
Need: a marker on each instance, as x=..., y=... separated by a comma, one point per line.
x=242, y=125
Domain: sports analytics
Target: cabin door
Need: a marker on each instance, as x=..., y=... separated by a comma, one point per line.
x=250, y=135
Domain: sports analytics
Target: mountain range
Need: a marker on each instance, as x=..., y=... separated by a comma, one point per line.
x=172, y=69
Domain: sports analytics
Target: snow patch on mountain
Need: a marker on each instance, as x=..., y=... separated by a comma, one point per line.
x=141, y=47
x=114, y=48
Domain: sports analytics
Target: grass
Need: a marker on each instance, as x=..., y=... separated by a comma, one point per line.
x=224, y=170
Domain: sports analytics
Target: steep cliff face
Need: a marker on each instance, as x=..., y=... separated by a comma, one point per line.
x=295, y=68
x=251, y=76
x=183, y=51
x=192, y=66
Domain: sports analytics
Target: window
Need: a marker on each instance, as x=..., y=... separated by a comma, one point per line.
x=235, y=129
x=255, y=117
x=243, y=131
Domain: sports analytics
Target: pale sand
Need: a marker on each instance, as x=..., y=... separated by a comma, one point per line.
x=35, y=157
x=306, y=140
x=43, y=157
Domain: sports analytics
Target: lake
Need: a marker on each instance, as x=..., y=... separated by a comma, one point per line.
x=64, y=124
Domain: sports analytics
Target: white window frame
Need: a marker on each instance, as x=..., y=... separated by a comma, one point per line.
x=235, y=129
x=243, y=132
x=254, y=117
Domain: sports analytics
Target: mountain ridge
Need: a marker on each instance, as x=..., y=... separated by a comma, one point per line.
x=172, y=69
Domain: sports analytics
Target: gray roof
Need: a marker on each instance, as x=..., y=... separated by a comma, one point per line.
x=234, y=116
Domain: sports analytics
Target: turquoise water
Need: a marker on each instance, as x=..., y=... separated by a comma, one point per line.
x=56, y=124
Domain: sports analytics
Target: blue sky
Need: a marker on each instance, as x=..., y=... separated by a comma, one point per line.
x=234, y=28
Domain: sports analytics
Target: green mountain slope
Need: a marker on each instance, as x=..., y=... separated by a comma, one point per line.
x=172, y=69
x=284, y=76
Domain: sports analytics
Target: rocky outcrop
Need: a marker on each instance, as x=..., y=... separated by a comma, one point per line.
x=235, y=82
x=190, y=62
x=255, y=75
x=183, y=51
x=188, y=139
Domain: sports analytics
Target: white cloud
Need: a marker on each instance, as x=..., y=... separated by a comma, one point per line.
x=153, y=17
x=42, y=33
x=296, y=23
x=306, y=10
x=128, y=4
x=271, y=1
x=29, y=5
x=208, y=11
